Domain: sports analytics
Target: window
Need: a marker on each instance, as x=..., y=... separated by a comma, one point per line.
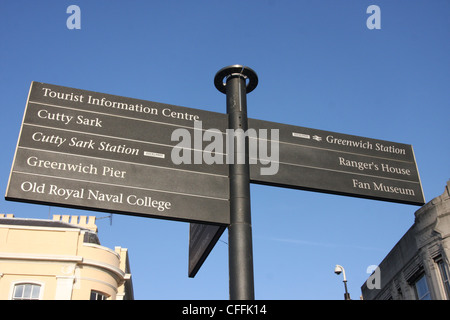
x=26, y=291
x=444, y=275
x=95, y=295
x=422, y=291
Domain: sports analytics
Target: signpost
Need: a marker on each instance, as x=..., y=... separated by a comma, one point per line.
x=96, y=151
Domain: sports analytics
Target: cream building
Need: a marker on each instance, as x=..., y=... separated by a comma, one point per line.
x=60, y=259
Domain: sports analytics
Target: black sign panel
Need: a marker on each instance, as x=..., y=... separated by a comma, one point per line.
x=202, y=239
x=102, y=152
x=342, y=164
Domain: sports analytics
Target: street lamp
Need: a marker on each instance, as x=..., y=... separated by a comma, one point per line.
x=338, y=269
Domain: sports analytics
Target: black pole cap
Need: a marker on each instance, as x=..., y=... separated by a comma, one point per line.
x=236, y=69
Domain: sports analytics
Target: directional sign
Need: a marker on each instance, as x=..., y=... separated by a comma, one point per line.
x=96, y=151
x=202, y=239
x=336, y=163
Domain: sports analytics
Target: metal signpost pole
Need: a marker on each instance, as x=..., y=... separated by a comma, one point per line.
x=240, y=229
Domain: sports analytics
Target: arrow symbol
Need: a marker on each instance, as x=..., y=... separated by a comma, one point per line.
x=317, y=138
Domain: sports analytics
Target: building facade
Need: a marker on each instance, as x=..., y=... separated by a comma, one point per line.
x=417, y=268
x=60, y=259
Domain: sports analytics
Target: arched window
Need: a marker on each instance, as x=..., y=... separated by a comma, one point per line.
x=26, y=291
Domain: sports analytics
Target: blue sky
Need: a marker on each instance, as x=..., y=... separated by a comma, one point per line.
x=319, y=66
